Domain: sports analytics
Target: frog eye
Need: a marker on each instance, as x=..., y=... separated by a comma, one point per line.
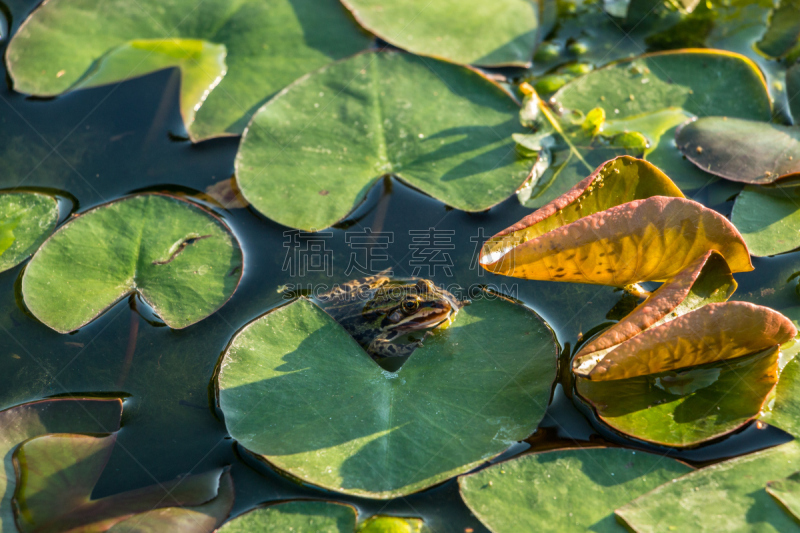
x=409, y=306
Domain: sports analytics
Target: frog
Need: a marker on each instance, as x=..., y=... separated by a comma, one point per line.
x=377, y=310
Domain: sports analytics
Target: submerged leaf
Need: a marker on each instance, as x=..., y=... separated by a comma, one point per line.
x=728, y=496
x=652, y=95
x=769, y=218
x=334, y=414
x=312, y=153
x=626, y=223
x=741, y=150
x=269, y=44
x=564, y=491
x=26, y=219
x=56, y=475
x=17, y=424
x=504, y=32
x=181, y=259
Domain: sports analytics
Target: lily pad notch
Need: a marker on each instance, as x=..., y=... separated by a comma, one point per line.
x=181, y=259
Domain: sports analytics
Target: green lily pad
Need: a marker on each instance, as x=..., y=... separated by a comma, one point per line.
x=783, y=33
x=311, y=154
x=626, y=223
x=370, y=432
x=793, y=91
x=565, y=490
x=728, y=496
x=392, y=524
x=26, y=219
x=504, y=32
x=308, y=516
x=688, y=407
x=202, y=66
x=768, y=218
x=784, y=412
x=68, y=44
x=297, y=516
x=741, y=150
x=84, y=415
x=654, y=94
x=787, y=493
x=57, y=473
x=181, y=259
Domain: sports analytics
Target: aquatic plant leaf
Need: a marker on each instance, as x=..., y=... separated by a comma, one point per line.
x=686, y=407
x=564, y=491
x=79, y=415
x=787, y=493
x=26, y=219
x=309, y=516
x=793, y=91
x=784, y=413
x=728, y=496
x=392, y=524
x=768, y=218
x=269, y=44
x=686, y=322
x=626, y=223
x=741, y=150
x=56, y=475
x=202, y=66
x=302, y=516
x=311, y=154
x=453, y=404
x=653, y=94
x=504, y=32
x=181, y=259
x=570, y=147
x=783, y=32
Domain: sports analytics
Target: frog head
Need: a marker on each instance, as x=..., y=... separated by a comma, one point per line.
x=411, y=307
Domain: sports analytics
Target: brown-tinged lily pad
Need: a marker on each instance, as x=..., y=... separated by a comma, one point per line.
x=83, y=415
x=685, y=366
x=685, y=323
x=626, y=223
x=56, y=475
x=741, y=150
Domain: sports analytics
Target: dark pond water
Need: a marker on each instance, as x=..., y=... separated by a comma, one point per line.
x=97, y=145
